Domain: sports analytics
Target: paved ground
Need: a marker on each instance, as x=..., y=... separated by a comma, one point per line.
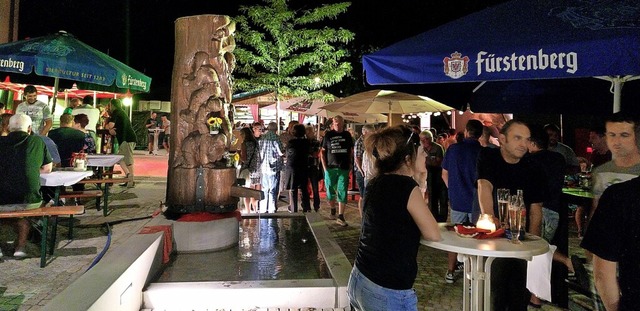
x=25, y=286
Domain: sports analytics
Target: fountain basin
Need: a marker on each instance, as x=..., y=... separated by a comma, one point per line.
x=123, y=280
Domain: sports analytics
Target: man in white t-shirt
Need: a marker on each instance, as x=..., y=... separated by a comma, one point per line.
x=39, y=112
x=622, y=134
x=166, y=127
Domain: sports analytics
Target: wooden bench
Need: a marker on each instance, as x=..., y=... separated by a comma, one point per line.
x=111, y=173
x=80, y=194
x=106, y=182
x=45, y=213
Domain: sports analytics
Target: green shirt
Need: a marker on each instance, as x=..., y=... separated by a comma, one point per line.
x=21, y=156
x=124, y=130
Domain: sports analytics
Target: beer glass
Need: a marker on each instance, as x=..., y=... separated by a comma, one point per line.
x=516, y=217
x=503, y=205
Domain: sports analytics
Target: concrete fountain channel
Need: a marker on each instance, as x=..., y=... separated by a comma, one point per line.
x=133, y=276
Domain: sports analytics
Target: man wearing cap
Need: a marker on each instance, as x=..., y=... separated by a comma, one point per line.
x=23, y=158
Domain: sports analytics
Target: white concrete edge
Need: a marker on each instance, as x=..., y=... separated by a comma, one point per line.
x=337, y=262
x=120, y=276
x=242, y=295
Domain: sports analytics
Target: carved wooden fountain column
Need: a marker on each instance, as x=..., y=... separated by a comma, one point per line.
x=200, y=177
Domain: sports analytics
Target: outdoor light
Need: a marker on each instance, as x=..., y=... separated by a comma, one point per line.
x=436, y=114
x=460, y=112
x=128, y=102
x=316, y=80
x=449, y=112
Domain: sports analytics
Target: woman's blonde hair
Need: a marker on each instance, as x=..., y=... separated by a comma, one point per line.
x=391, y=148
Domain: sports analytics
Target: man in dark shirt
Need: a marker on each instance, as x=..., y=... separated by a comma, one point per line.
x=67, y=139
x=336, y=157
x=506, y=168
x=438, y=195
x=600, y=152
x=553, y=165
x=120, y=127
x=614, y=239
x=22, y=158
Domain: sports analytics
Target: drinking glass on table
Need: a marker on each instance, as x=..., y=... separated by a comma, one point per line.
x=516, y=217
x=503, y=195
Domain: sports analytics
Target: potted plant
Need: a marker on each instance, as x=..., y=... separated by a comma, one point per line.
x=214, y=125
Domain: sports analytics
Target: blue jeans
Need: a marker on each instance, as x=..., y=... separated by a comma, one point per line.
x=360, y=182
x=270, y=189
x=365, y=295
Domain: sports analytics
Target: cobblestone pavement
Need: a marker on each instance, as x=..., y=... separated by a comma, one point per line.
x=25, y=286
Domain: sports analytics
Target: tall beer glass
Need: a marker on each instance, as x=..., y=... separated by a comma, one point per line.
x=503, y=205
x=516, y=221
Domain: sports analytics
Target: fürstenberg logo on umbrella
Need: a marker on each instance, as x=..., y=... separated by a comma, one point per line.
x=131, y=81
x=486, y=63
x=12, y=64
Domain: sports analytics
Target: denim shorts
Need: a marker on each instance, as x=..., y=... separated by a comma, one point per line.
x=365, y=295
x=460, y=217
x=550, y=220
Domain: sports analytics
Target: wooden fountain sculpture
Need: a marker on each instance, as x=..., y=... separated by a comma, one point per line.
x=202, y=174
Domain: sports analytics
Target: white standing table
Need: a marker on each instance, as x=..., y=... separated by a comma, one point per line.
x=478, y=255
x=156, y=133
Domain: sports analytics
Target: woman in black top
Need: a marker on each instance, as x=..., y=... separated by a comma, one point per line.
x=250, y=168
x=395, y=217
x=296, y=173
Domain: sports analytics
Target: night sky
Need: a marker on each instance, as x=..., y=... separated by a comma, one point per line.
x=102, y=24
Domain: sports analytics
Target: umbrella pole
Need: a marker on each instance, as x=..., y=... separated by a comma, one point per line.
x=617, y=93
x=56, y=81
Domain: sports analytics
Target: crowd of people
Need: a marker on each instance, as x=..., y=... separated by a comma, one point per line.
x=462, y=177
x=398, y=208
x=408, y=181
x=28, y=147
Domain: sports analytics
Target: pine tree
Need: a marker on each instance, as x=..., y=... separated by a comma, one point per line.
x=290, y=52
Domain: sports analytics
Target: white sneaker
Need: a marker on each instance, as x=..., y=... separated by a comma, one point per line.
x=342, y=222
x=19, y=254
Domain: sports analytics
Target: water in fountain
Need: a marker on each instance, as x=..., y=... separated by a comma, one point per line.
x=268, y=249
